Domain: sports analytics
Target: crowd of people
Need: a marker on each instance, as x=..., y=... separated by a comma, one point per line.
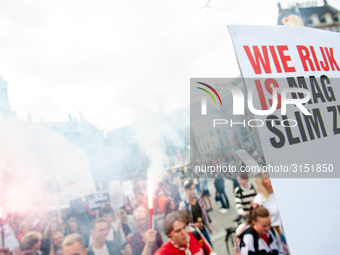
x=127, y=231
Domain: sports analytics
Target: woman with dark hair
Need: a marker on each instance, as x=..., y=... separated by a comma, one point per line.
x=127, y=206
x=260, y=237
x=170, y=206
x=74, y=227
x=126, y=221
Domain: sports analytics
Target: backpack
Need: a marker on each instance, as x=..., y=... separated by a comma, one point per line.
x=256, y=237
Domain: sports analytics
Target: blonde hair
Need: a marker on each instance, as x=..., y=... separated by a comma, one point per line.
x=140, y=210
x=22, y=224
x=259, y=186
x=53, y=247
x=29, y=239
x=72, y=238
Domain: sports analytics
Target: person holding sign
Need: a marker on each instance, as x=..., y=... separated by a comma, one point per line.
x=259, y=237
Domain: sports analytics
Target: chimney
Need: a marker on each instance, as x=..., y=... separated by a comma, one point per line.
x=325, y=2
x=70, y=117
x=279, y=5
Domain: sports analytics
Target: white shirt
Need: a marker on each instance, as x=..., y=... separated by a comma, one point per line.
x=271, y=205
x=110, y=236
x=102, y=251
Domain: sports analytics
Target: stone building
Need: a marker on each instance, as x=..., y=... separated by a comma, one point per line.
x=322, y=17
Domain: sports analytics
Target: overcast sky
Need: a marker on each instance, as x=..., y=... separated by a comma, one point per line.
x=108, y=59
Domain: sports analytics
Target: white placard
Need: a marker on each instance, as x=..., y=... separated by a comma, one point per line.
x=55, y=201
x=246, y=158
x=74, y=175
x=10, y=240
x=127, y=188
x=277, y=56
x=116, y=195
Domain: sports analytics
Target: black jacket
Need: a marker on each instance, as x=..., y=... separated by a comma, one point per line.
x=114, y=248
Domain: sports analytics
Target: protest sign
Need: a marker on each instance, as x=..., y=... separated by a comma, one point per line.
x=127, y=188
x=9, y=238
x=55, y=201
x=74, y=175
x=246, y=158
x=299, y=140
x=116, y=195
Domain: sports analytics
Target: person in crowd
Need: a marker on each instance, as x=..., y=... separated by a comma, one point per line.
x=170, y=206
x=116, y=233
x=181, y=188
x=74, y=227
x=144, y=240
x=193, y=205
x=14, y=219
x=127, y=222
x=161, y=201
x=174, y=192
x=141, y=201
x=31, y=243
x=56, y=243
x=205, y=194
x=52, y=226
x=259, y=237
x=181, y=241
x=197, y=184
x=101, y=246
x=244, y=195
x=266, y=198
x=127, y=206
x=220, y=193
x=24, y=228
x=74, y=244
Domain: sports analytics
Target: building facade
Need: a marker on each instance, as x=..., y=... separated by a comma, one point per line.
x=322, y=17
